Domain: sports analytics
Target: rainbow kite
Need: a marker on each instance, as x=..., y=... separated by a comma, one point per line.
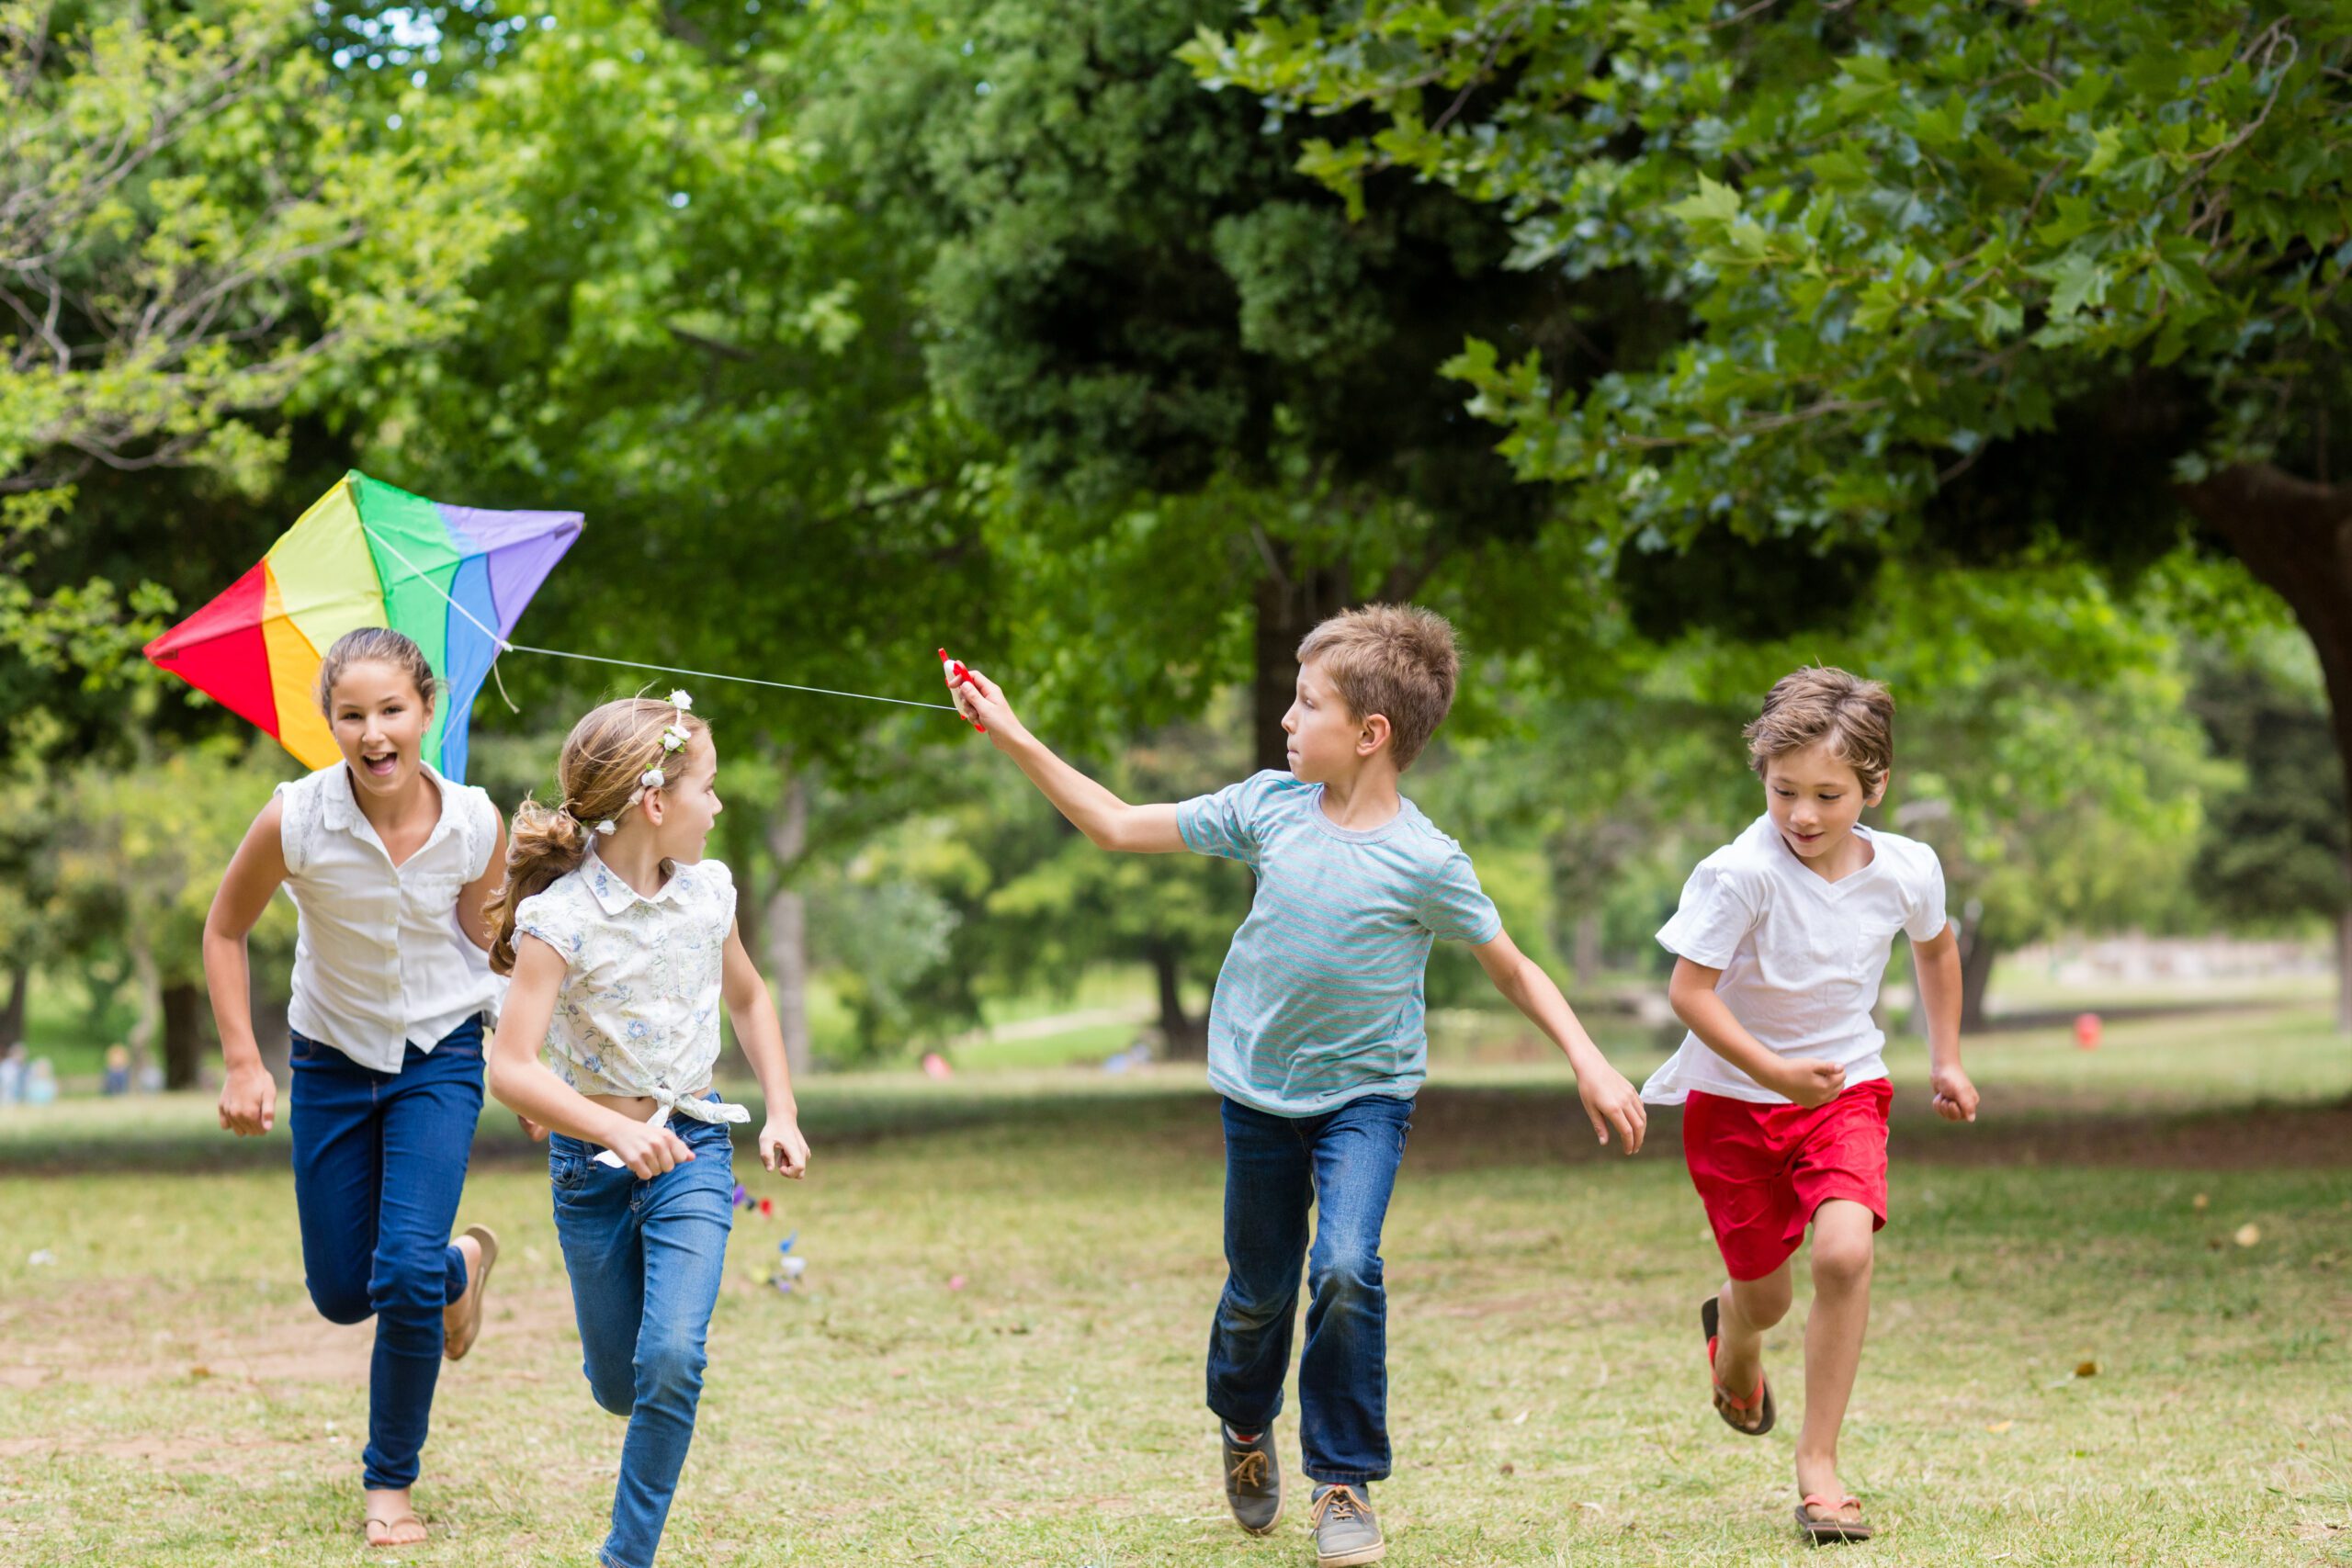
x=367, y=554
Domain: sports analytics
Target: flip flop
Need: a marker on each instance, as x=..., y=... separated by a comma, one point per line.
x=1831, y=1530
x=1730, y=1407
x=391, y=1525
x=470, y=1323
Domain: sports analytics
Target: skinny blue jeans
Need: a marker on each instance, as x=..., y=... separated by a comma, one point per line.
x=645, y=1259
x=379, y=1162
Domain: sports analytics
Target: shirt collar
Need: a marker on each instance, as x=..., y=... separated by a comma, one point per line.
x=613, y=894
x=342, y=807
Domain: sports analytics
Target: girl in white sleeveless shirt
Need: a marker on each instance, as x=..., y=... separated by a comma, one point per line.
x=621, y=940
x=391, y=866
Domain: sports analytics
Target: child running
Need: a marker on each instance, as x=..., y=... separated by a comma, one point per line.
x=1316, y=1039
x=1780, y=943
x=391, y=866
x=622, y=944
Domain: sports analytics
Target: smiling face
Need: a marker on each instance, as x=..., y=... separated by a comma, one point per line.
x=1325, y=740
x=684, y=810
x=1816, y=798
x=380, y=719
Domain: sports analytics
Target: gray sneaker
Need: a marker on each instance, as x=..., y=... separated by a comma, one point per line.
x=1346, y=1530
x=1253, y=1480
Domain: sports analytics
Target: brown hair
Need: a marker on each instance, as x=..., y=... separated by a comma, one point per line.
x=1394, y=660
x=1856, y=716
x=374, y=645
x=603, y=757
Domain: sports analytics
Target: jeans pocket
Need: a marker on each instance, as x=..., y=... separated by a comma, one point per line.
x=567, y=1163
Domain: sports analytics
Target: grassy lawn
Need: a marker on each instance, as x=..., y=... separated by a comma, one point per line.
x=167, y=1396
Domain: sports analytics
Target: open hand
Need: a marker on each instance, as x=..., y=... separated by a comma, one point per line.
x=249, y=1101
x=1612, y=1101
x=1955, y=1095
x=1811, y=1082
x=782, y=1148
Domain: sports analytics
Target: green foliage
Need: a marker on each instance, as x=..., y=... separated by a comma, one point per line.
x=2275, y=848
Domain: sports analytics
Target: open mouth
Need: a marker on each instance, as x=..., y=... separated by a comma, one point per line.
x=380, y=765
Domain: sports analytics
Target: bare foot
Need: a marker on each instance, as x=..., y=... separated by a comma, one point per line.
x=1817, y=1477
x=391, y=1521
x=1742, y=1377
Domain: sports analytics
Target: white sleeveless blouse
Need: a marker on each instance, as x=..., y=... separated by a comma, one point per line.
x=380, y=962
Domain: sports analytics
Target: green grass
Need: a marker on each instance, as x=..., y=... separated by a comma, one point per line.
x=167, y=1396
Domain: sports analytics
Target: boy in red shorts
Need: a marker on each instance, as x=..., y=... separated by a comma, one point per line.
x=1780, y=942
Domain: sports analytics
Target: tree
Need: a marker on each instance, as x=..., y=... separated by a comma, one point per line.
x=1217, y=393
x=2274, y=849
x=1980, y=282
x=196, y=231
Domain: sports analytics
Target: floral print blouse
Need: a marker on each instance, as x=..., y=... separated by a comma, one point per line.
x=638, y=1013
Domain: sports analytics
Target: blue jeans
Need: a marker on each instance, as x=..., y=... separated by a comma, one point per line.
x=1343, y=1164
x=645, y=1259
x=379, y=1161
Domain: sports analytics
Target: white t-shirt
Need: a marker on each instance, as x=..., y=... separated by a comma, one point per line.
x=1800, y=956
x=379, y=963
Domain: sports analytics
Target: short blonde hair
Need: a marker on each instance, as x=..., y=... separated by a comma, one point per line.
x=1856, y=716
x=1394, y=660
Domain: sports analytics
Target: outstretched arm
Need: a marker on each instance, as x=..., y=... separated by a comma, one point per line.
x=1609, y=1098
x=752, y=1011
x=248, y=1094
x=1110, y=822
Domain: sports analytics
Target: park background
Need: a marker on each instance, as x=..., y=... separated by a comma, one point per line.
x=1995, y=351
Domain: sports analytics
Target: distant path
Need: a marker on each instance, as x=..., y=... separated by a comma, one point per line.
x=1057, y=1023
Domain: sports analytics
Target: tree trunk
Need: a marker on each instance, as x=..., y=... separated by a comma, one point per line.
x=1586, y=961
x=149, y=1025
x=2344, y=972
x=787, y=925
x=183, y=1033
x=1289, y=606
x=1976, y=955
x=1187, y=1037
x=12, y=1016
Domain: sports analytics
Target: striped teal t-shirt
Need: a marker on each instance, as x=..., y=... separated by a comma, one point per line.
x=1319, y=1000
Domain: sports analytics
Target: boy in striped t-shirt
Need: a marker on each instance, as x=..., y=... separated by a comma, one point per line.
x=1317, y=1040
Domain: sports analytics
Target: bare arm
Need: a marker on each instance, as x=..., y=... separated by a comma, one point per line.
x=1692, y=993
x=1608, y=1100
x=473, y=898
x=1110, y=822
x=522, y=1083
x=752, y=1011
x=1936, y=962
x=248, y=1095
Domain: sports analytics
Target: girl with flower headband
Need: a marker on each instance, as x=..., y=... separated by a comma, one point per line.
x=622, y=944
x=389, y=866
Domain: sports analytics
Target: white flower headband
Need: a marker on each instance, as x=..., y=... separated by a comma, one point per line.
x=674, y=737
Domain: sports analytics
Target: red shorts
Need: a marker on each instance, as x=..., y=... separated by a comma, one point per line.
x=1762, y=1170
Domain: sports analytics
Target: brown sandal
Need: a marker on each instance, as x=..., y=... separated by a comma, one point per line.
x=389, y=1526
x=457, y=1342
x=1833, y=1530
x=1730, y=1406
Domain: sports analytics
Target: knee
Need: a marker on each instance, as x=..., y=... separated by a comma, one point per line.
x=669, y=1365
x=1345, y=1275
x=1765, y=1302
x=411, y=1282
x=341, y=1302
x=1842, y=1263
x=615, y=1395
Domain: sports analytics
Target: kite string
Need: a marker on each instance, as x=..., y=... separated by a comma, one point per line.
x=506, y=647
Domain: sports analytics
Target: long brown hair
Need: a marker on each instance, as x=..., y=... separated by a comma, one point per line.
x=603, y=757
x=374, y=645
